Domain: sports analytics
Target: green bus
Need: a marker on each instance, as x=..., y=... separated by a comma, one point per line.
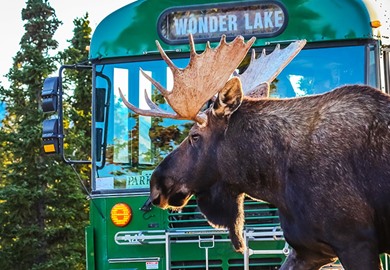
x=348, y=42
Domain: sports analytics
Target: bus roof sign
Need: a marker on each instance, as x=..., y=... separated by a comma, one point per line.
x=317, y=21
x=209, y=22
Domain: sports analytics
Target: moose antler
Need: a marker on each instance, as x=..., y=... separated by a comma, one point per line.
x=205, y=75
x=267, y=67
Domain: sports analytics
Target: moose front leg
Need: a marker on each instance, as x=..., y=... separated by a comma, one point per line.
x=360, y=256
x=305, y=261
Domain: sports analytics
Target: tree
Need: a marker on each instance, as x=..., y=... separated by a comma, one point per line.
x=78, y=85
x=42, y=211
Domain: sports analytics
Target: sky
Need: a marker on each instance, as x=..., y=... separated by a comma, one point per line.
x=11, y=24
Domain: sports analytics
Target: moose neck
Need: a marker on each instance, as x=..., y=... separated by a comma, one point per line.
x=260, y=139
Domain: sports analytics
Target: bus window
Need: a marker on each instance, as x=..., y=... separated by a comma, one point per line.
x=386, y=70
x=120, y=151
x=136, y=144
x=373, y=74
x=320, y=70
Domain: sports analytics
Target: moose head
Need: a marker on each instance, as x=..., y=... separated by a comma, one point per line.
x=194, y=168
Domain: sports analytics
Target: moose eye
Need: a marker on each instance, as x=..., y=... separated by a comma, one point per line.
x=194, y=138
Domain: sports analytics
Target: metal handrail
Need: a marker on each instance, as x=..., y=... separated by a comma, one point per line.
x=201, y=236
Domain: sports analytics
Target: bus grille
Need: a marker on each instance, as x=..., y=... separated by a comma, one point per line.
x=235, y=264
x=257, y=214
x=213, y=264
x=256, y=263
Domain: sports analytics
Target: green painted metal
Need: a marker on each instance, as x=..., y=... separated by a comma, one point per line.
x=104, y=253
x=90, y=252
x=105, y=249
x=132, y=30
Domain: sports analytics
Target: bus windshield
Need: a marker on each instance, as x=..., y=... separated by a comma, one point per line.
x=136, y=144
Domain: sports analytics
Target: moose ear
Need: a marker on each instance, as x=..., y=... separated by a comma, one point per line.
x=260, y=91
x=229, y=98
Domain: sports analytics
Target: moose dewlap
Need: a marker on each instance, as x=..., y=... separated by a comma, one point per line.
x=323, y=160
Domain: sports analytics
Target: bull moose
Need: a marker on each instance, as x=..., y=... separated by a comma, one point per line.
x=323, y=160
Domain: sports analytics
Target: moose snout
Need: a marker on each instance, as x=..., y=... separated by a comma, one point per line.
x=155, y=195
x=155, y=199
x=157, y=188
x=167, y=191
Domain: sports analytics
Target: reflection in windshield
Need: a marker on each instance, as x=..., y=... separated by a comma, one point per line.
x=136, y=144
x=318, y=71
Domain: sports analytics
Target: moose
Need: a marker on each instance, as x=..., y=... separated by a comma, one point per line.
x=323, y=160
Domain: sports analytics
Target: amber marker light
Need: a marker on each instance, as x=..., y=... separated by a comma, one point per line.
x=375, y=24
x=49, y=148
x=121, y=214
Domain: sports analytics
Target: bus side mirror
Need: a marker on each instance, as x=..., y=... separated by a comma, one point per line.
x=49, y=95
x=50, y=136
x=50, y=127
x=52, y=102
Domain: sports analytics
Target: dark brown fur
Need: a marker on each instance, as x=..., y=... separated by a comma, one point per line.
x=322, y=160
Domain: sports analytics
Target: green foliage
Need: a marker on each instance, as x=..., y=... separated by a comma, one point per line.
x=43, y=211
x=77, y=84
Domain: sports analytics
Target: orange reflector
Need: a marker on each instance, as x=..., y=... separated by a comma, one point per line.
x=375, y=24
x=49, y=148
x=121, y=214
